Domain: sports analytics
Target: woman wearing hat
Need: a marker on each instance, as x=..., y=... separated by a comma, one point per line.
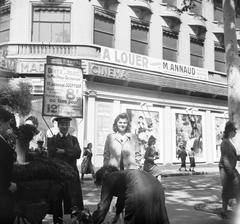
x=150, y=155
x=229, y=175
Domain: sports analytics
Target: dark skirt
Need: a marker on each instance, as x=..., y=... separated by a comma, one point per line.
x=87, y=166
x=230, y=184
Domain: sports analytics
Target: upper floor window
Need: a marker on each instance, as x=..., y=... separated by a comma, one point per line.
x=139, y=37
x=197, y=9
x=218, y=12
x=104, y=22
x=238, y=14
x=220, y=59
x=170, y=2
x=51, y=24
x=196, y=51
x=170, y=45
x=4, y=24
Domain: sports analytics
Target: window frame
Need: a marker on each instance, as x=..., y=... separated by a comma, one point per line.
x=173, y=34
x=199, y=41
x=216, y=8
x=53, y=8
x=5, y=9
x=220, y=48
x=144, y=25
x=104, y=13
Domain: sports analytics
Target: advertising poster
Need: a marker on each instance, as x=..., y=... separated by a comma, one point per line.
x=219, y=122
x=63, y=91
x=104, y=124
x=188, y=128
x=143, y=125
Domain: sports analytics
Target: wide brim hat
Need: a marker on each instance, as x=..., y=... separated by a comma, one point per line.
x=63, y=119
x=229, y=127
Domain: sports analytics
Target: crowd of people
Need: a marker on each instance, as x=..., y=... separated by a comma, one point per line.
x=122, y=175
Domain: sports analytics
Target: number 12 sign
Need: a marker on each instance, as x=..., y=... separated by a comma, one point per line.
x=63, y=91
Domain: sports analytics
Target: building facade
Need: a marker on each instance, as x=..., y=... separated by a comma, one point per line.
x=165, y=68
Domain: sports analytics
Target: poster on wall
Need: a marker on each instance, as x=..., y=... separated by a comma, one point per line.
x=219, y=121
x=143, y=125
x=63, y=90
x=104, y=124
x=188, y=132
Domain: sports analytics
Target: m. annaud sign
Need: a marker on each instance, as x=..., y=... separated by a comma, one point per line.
x=152, y=64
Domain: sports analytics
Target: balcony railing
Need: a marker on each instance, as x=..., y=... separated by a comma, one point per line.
x=43, y=49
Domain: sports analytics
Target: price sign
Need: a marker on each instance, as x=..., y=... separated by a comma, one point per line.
x=62, y=91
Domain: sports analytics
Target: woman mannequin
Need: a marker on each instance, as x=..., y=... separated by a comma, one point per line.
x=6, y=166
x=230, y=177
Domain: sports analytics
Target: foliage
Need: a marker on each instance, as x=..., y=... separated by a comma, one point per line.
x=186, y=5
x=43, y=168
x=26, y=132
x=16, y=97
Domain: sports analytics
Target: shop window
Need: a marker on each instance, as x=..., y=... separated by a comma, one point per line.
x=197, y=9
x=170, y=2
x=4, y=24
x=196, y=51
x=218, y=12
x=51, y=24
x=139, y=37
x=170, y=45
x=104, y=22
x=220, y=58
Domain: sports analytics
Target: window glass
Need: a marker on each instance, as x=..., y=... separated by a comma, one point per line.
x=170, y=46
x=139, y=38
x=196, y=61
x=103, y=39
x=60, y=33
x=218, y=13
x=220, y=60
x=4, y=26
x=139, y=33
x=104, y=29
x=104, y=24
x=169, y=55
x=51, y=25
x=170, y=2
x=4, y=36
x=196, y=48
x=139, y=48
x=197, y=9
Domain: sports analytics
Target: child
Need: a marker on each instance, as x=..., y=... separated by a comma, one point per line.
x=192, y=159
x=183, y=156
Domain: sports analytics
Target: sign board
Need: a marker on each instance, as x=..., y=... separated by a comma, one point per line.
x=152, y=64
x=63, y=88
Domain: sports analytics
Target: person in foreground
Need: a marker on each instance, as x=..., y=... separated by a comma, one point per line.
x=229, y=175
x=139, y=193
x=7, y=188
x=66, y=147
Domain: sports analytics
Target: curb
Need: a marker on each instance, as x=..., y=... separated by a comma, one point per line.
x=189, y=173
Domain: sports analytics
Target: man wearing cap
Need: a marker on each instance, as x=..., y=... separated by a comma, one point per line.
x=66, y=147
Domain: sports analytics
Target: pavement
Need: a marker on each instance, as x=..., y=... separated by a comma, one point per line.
x=91, y=194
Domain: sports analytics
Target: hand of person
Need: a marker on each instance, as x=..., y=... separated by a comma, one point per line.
x=13, y=187
x=115, y=219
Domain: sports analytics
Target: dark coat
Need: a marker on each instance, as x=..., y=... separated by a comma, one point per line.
x=72, y=192
x=6, y=167
x=141, y=194
x=230, y=177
